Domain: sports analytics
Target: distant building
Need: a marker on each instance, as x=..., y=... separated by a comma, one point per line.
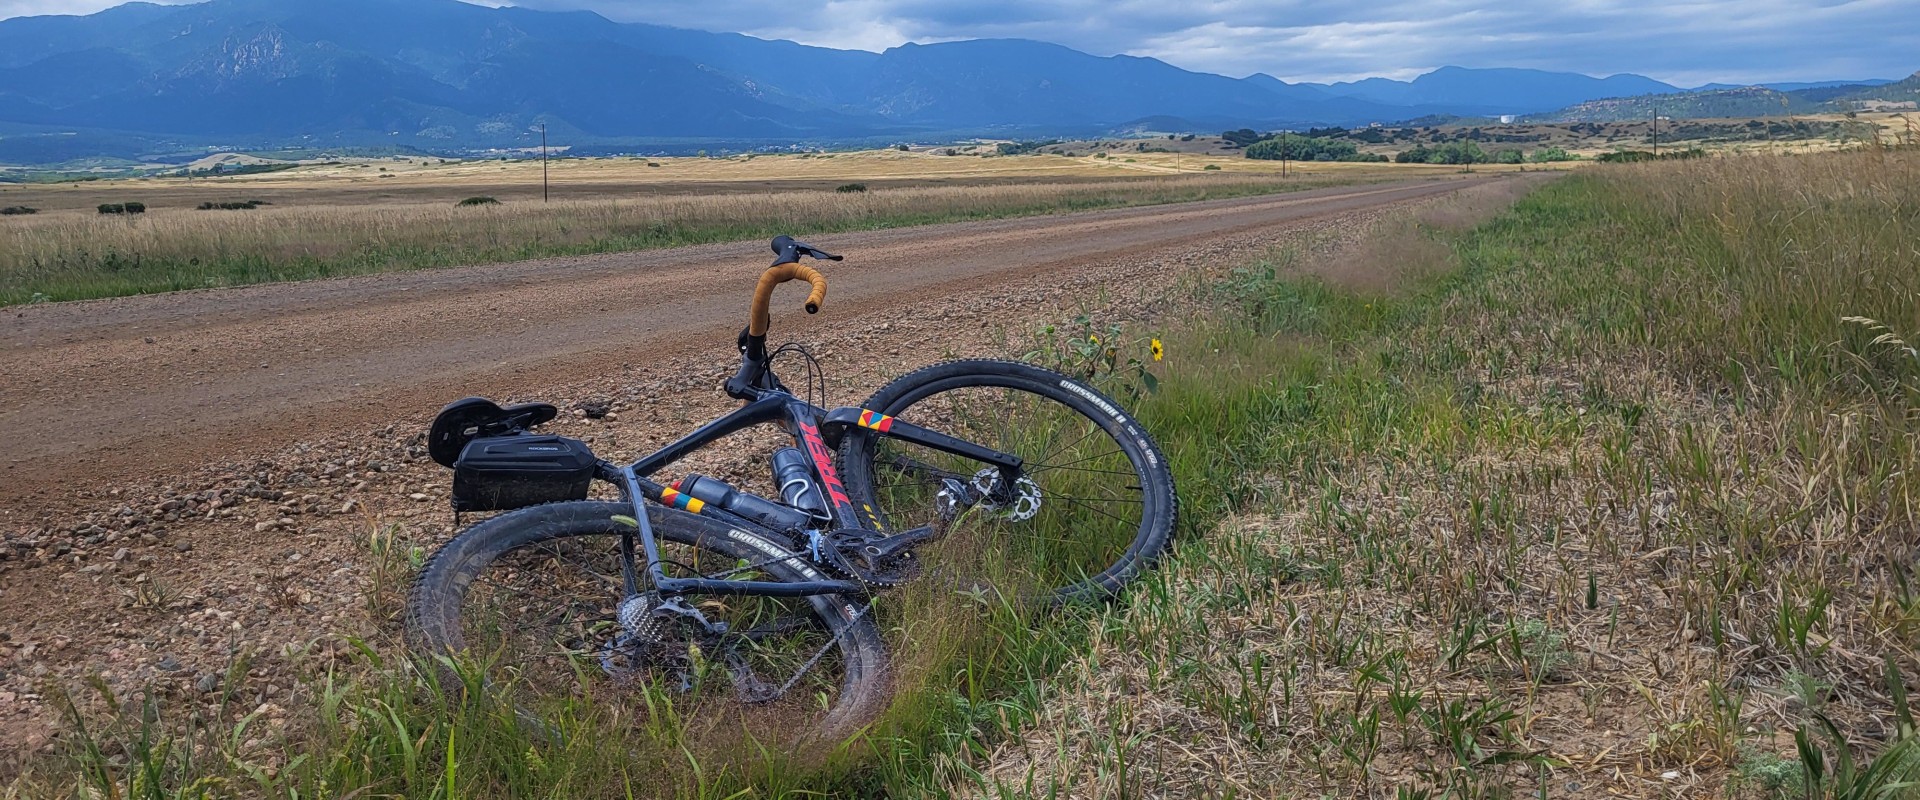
x=1509, y=119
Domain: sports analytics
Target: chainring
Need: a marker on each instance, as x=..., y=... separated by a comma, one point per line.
x=848, y=553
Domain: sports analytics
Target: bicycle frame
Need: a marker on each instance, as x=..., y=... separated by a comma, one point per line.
x=816, y=431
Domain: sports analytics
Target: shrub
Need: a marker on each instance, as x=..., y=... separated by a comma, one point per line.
x=236, y=205
x=1210, y=167
x=656, y=163
x=479, y=201
x=1294, y=147
x=901, y=147
x=135, y=208
x=847, y=188
x=16, y=210
x=112, y=208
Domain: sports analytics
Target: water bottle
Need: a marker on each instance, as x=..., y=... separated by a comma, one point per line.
x=716, y=492
x=793, y=473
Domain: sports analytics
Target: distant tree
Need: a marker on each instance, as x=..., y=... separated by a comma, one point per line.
x=1295, y=147
x=1458, y=152
x=1418, y=154
x=1508, y=157
x=850, y=188
x=1241, y=137
x=1548, y=155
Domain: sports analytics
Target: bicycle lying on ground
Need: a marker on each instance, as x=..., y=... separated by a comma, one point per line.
x=700, y=589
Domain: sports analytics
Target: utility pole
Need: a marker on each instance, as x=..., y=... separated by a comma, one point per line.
x=543, y=162
x=1656, y=131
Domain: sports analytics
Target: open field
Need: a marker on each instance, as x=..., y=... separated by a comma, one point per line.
x=434, y=181
x=328, y=221
x=1612, y=494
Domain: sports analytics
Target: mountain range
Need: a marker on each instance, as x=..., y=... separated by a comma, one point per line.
x=443, y=75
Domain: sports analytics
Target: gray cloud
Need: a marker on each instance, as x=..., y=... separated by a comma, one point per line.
x=1682, y=41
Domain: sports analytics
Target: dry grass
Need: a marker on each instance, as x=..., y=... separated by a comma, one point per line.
x=404, y=181
x=1625, y=509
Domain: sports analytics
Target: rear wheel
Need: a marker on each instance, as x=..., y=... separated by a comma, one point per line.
x=534, y=601
x=1093, y=505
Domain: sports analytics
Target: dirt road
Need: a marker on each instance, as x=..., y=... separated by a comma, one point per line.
x=102, y=391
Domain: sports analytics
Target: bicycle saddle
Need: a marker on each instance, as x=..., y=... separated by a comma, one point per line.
x=463, y=421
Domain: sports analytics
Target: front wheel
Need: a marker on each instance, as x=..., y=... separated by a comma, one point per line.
x=1093, y=506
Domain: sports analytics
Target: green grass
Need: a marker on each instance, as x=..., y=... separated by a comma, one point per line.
x=1615, y=499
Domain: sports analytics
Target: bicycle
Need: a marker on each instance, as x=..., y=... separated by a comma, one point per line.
x=698, y=589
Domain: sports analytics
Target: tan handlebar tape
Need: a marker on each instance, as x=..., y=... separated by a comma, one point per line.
x=758, y=320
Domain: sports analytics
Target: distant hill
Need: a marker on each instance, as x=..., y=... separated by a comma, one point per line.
x=1906, y=90
x=1484, y=92
x=1791, y=86
x=1746, y=101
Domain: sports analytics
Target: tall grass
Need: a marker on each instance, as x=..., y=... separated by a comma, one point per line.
x=74, y=257
x=1622, y=505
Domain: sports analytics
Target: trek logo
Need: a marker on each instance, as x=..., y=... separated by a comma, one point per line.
x=823, y=461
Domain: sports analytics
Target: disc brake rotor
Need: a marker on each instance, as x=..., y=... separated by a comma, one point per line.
x=989, y=485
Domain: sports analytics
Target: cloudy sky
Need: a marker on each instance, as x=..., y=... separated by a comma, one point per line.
x=1686, y=42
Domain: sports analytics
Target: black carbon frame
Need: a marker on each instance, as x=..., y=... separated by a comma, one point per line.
x=803, y=421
